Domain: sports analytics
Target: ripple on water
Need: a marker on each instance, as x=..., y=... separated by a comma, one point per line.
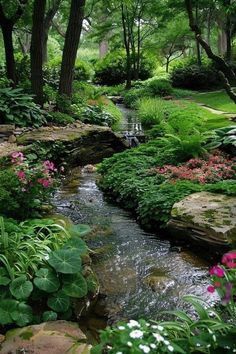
x=138, y=273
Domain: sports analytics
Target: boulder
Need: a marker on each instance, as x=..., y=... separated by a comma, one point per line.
x=206, y=218
x=80, y=143
x=55, y=337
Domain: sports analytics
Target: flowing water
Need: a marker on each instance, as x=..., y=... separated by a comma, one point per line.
x=139, y=273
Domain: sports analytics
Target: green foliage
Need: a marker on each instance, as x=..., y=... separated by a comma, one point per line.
x=111, y=70
x=159, y=87
x=196, y=77
x=224, y=138
x=18, y=108
x=82, y=71
x=97, y=115
x=151, y=111
x=35, y=258
x=206, y=333
x=60, y=118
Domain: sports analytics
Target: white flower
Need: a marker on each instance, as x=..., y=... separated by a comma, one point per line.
x=214, y=338
x=170, y=348
x=154, y=327
x=136, y=334
x=46, y=257
x=121, y=328
x=158, y=337
x=119, y=353
x=144, y=348
x=160, y=328
x=133, y=323
x=129, y=344
x=166, y=342
x=198, y=345
x=153, y=346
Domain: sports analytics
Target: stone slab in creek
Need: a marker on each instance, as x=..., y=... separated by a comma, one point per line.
x=56, y=337
x=84, y=143
x=206, y=218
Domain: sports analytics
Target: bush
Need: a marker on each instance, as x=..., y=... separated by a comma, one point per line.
x=159, y=87
x=196, y=77
x=82, y=71
x=60, y=118
x=17, y=107
x=132, y=96
x=97, y=115
x=41, y=271
x=111, y=70
x=25, y=186
x=151, y=111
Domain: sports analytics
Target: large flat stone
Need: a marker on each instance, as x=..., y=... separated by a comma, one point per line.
x=205, y=217
x=57, y=337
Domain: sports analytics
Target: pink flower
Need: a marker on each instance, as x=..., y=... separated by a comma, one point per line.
x=44, y=182
x=49, y=165
x=218, y=271
x=21, y=174
x=17, y=157
x=217, y=284
x=211, y=289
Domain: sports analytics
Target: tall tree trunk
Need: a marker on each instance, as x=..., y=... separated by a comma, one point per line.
x=7, y=31
x=71, y=45
x=48, y=21
x=37, y=50
x=103, y=48
x=127, y=47
x=199, y=58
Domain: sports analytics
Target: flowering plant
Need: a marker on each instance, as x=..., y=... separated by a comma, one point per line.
x=212, y=169
x=223, y=279
x=36, y=181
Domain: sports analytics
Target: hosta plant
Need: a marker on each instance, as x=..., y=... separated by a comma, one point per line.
x=41, y=270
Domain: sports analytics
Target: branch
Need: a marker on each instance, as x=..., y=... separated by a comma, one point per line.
x=226, y=72
x=58, y=29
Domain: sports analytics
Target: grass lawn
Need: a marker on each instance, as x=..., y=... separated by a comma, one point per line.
x=217, y=100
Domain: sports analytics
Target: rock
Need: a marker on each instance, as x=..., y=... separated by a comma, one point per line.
x=81, y=143
x=158, y=281
x=168, y=98
x=56, y=337
x=206, y=218
x=12, y=139
x=89, y=169
x=6, y=149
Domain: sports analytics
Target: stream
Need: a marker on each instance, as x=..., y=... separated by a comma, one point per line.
x=140, y=273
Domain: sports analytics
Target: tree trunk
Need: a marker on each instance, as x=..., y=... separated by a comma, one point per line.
x=71, y=45
x=199, y=58
x=167, y=64
x=37, y=50
x=7, y=31
x=103, y=48
x=48, y=21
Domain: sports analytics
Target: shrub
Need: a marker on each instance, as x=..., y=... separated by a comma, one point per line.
x=159, y=87
x=111, y=70
x=97, y=115
x=41, y=271
x=25, y=186
x=82, y=70
x=151, y=111
x=60, y=118
x=195, y=78
x=18, y=108
x=132, y=96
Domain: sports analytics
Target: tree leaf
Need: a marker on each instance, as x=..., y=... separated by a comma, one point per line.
x=46, y=280
x=65, y=261
x=75, y=286
x=4, y=280
x=59, y=302
x=21, y=288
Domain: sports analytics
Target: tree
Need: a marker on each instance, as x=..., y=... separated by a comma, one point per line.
x=226, y=72
x=72, y=40
x=7, y=23
x=36, y=50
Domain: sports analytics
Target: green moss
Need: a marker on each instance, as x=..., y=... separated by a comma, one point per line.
x=26, y=335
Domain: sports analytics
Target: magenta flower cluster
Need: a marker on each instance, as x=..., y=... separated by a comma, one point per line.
x=212, y=169
x=33, y=176
x=223, y=278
